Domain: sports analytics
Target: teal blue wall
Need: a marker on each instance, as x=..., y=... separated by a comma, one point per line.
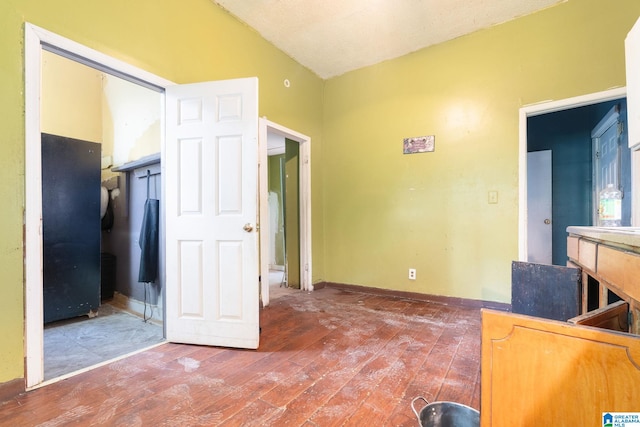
x=568, y=135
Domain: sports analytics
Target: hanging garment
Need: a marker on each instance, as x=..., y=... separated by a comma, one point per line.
x=274, y=225
x=149, y=239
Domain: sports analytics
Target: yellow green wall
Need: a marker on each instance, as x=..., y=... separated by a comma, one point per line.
x=292, y=212
x=71, y=99
x=386, y=212
x=131, y=117
x=181, y=40
x=80, y=102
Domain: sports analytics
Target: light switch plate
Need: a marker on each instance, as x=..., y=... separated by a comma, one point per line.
x=493, y=197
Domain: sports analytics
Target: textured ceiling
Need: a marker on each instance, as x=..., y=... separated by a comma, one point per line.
x=331, y=37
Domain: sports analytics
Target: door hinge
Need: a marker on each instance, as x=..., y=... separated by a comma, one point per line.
x=620, y=128
x=630, y=319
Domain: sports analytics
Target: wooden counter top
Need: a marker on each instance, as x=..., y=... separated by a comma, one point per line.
x=627, y=238
x=610, y=255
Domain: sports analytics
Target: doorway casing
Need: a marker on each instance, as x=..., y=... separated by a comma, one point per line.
x=544, y=108
x=266, y=127
x=36, y=39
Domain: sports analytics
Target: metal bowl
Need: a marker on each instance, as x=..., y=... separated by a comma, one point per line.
x=446, y=414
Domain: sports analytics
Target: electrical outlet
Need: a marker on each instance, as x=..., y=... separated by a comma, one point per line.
x=412, y=274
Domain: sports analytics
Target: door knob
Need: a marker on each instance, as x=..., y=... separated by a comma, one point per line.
x=248, y=228
x=546, y=221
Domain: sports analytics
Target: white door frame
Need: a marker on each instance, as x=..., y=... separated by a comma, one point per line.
x=266, y=127
x=535, y=110
x=35, y=37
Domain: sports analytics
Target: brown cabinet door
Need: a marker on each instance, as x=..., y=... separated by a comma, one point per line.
x=614, y=317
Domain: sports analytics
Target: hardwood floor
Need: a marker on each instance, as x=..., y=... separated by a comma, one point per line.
x=326, y=358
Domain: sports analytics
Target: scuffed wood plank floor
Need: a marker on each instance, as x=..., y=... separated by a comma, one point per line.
x=326, y=358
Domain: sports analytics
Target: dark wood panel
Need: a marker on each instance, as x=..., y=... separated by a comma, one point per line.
x=548, y=291
x=614, y=317
x=71, y=226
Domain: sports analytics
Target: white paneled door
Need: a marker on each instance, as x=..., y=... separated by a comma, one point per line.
x=210, y=162
x=606, y=156
x=539, y=205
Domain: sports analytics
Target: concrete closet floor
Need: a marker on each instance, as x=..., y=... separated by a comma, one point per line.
x=74, y=344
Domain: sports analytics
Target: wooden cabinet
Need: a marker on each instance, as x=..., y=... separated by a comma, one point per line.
x=632, y=57
x=538, y=372
x=614, y=317
x=610, y=262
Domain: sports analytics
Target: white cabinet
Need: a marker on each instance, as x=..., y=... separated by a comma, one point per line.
x=632, y=54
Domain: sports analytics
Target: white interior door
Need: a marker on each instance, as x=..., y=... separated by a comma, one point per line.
x=606, y=156
x=211, y=162
x=539, y=193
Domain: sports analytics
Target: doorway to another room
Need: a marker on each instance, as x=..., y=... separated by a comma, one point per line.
x=93, y=302
x=284, y=229
x=285, y=211
x=561, y=135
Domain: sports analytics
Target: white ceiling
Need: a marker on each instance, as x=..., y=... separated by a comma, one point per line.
x=331, y=37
